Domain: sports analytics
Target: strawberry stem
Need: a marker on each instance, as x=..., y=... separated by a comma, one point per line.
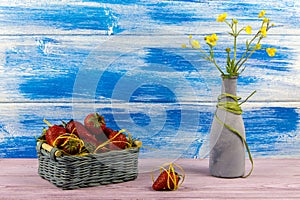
x=47, y=122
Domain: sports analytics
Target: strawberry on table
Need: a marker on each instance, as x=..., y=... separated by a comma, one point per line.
x=168, y=179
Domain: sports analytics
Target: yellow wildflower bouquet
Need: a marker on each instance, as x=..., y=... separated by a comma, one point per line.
x=234, y=65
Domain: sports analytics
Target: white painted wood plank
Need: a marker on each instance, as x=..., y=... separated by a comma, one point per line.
x=272, y=128
x=51, y=67
x=156, y=17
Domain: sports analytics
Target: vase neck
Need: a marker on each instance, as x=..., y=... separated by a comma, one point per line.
x=229, y=85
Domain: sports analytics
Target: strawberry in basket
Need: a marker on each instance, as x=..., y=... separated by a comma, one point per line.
x=93, y=136
x=95, y=123
x=118, y=140
x=52, y=134
x=58, y=136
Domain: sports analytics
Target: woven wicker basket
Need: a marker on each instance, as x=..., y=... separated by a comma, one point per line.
x=71, y=172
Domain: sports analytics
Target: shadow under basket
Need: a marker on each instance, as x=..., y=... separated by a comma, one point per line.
x=71, y=172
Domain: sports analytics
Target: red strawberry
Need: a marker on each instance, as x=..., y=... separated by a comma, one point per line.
x=108, y=131
x=95, y=123
x=167, y=180
x=85, y=135
x=52, y=133
x=118, y=140
x=71, y=127
x=71, y=145
x=57, y=136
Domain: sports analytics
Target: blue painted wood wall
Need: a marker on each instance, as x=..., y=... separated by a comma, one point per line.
x=123, y=58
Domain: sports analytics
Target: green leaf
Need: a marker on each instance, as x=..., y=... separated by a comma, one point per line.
x=232, y=34
x=232, y=62
x=247, y=44
x=232, y=65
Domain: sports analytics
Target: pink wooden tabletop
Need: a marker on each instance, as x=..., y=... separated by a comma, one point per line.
x=271, y=179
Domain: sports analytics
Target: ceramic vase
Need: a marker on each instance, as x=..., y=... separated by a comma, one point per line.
x=227, y=150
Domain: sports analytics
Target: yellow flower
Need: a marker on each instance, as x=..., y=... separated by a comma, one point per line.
x=248, y=29
x=271, y=51
x=263, y=31
x=222, y=17
x=235, y=21
x=211, y=39
x=228, y=50
x=261, y=14
x=190, y=36
x=183, y=46
x=257, y=46
x=214, y=37
x=195, y=44
x=266, y=20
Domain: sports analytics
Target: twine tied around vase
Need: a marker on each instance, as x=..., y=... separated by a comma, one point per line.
x=234, y=107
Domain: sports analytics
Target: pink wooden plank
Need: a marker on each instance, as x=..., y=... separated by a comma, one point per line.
x=271, y=179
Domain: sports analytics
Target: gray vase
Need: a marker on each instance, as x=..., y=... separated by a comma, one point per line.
x=227, y=150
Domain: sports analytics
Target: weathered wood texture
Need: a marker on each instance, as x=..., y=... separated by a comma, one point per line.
x=123, y=58
x=271, y=179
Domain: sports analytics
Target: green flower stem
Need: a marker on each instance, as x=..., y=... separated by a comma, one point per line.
x=214, y=61
x=247, y=49
x=247, y=98
x=204, y=53
x=233, y=33
x=235, y=67
x=232, y=68
x=210, y=58
x=245, y=61
x=249, y=55
x=234, y=44
x=230, y=26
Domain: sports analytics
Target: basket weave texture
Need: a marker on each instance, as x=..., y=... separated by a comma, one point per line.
x=71, y=172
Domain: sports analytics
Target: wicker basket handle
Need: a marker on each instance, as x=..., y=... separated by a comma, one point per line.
x=138, y=143
x=54, y=152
